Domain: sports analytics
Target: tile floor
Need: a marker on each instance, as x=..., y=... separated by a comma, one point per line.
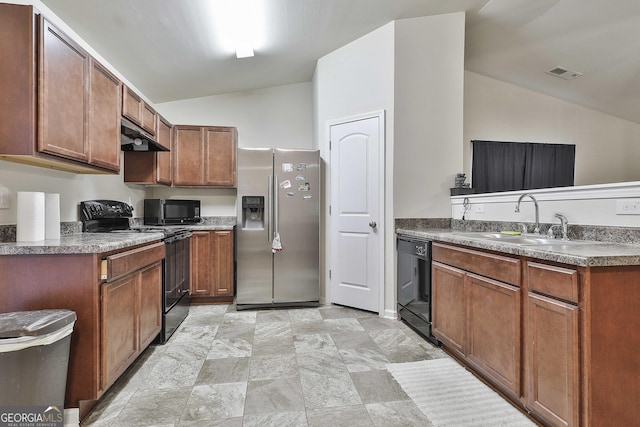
x=320, y=366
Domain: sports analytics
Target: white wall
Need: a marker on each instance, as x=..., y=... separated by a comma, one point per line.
x=429, y=76
x=582, y=205
x=73, y=188
x=607, y=148
x=279, y=116
x=413, y=70
x=355, y=79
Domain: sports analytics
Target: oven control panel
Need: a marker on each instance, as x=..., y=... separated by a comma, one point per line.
x=96, y=209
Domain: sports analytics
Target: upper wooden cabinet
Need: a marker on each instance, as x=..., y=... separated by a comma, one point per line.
x=138, y=111
x=52, y=108
x=151, y=167
x=204, y=156
x=104, y=117
x=62, y=95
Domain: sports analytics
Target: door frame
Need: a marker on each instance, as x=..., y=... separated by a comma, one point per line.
x=380, y=115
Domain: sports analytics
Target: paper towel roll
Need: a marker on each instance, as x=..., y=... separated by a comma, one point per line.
x=52, y=216
x=30, y=220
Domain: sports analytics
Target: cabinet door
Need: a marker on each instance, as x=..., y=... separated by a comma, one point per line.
x=449, y=317
x=188, y=156
x=552, y=360
x=222, y=244
x=493, y=331
x=104, y=117
x=220, y=156
x=150, y=304
x=149, y=119
x=165, y=138
x=119, y=340
x=62, y=93
x=131, y=105
x=201, y=263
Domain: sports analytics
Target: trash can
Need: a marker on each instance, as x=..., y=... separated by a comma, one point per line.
x=34, y=356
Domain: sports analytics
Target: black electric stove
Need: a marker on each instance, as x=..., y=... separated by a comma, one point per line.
x=110, y=216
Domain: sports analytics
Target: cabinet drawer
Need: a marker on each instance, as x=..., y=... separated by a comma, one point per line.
x=502, y=268
x=125, y=262
x=554, y=281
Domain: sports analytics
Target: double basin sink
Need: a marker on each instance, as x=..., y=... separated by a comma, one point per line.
x=522, y=239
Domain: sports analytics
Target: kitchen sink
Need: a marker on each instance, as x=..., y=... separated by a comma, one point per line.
x=521, y=239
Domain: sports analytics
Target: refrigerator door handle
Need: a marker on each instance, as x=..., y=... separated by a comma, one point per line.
x=269, y=190
x=276, y=218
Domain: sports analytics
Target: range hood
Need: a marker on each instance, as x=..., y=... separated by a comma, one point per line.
x=133, y=138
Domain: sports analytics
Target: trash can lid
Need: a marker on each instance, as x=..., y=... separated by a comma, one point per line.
x=34, y=323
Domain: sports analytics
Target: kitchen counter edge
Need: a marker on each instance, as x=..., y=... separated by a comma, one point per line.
x=599, y=254
x=89, y=243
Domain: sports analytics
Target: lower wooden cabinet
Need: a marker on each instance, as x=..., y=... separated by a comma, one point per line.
x=449, y=314
x=554, y=338
x=131, y=317
x=493, y=331
x=119, y=327
x=212, y=266
x=552, y=360
x=478, y=319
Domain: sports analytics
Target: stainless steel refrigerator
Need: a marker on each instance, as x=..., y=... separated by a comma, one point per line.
x=278, y=231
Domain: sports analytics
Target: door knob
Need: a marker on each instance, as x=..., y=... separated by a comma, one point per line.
x=373, y=224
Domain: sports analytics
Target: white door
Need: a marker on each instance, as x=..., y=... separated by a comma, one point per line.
x=356, y=223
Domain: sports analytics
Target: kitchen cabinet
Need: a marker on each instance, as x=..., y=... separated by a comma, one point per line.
x=477, y=316
x=151, y=167
x=139, y=112
x=104, y=117
x=552, y=362
x=118, y=324
x=62, y=95
x=449, y=314
x=552, y=337
x=117, y=316
x=212, y=266
x=131, y=319
x=204, y=156
x=493, y=331
x=56, y=103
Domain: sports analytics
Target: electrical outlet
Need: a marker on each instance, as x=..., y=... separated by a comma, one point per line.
x=4, y=198
x=628, y=207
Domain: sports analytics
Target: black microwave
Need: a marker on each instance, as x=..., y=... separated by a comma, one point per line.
x=171, y=211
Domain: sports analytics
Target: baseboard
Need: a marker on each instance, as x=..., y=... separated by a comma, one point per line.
x=390, y=314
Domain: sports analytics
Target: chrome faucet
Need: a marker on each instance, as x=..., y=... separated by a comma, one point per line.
x=564, y=224
x=536, y=230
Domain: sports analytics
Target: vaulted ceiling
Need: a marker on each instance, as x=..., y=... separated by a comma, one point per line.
x=174, y=49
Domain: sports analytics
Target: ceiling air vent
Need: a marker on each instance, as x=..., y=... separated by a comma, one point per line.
x=563, y=73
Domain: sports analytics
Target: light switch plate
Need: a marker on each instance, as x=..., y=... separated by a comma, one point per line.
x=4, y=198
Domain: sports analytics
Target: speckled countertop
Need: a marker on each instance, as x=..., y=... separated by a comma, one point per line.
x=81, y=243
x=87, y=243
x=591, y=254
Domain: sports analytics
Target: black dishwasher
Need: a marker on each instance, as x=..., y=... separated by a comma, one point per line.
x=414, y=285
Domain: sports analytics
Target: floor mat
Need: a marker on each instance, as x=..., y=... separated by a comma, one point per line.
x=450, y=396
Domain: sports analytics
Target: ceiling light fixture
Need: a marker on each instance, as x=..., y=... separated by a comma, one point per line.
x=243, y=18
